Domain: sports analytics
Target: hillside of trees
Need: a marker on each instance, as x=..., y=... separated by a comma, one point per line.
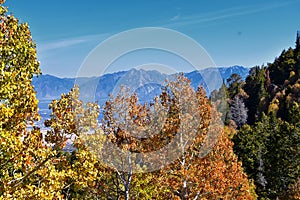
x=269, y=144
x=254, y=156
x=264, y=109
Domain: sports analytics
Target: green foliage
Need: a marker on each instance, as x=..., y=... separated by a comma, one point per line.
x=256, y=89
x=269, y=145
x=249, y=145
x=235, y=84
x=220, y=98
x=283, y=160
x=270, y=154
x=284, y=79
x=282, y=66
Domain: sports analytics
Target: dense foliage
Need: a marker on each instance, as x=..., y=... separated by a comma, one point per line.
x=66, y=161
x=269, y=144
x=256, y=155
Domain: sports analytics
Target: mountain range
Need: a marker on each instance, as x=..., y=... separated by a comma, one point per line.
x=49, y=87
x=147, y=84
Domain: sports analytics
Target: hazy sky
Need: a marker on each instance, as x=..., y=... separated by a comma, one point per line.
x=244, y=33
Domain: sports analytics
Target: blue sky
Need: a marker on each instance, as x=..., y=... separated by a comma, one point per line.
x=244, y=33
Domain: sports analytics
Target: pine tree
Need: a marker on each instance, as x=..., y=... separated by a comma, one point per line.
x=269, y=152
x=235, y=84
x=256, y=90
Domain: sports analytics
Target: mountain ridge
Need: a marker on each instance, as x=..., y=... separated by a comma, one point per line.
x=147, y=85
x=50, y=87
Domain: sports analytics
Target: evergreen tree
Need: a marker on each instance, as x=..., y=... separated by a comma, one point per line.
x=269, y=151
x=235, y=84
x=255, y=88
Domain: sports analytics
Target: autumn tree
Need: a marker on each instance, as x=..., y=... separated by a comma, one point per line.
x=25, y=162
x=206, y=167
x=127, y=124
x=73, y=129
x=190, y=174
x=132, y=130
x=32, y=166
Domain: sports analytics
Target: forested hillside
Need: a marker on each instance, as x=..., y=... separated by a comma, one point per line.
x=265, y=110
